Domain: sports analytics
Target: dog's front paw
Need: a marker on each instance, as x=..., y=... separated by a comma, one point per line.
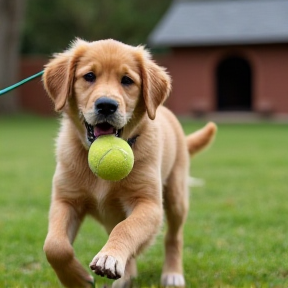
x=105, y=265
x=172, y=280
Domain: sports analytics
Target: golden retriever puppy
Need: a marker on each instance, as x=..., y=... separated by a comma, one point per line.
x=107, y=87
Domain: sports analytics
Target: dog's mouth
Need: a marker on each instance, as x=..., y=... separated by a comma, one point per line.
x=104, y=128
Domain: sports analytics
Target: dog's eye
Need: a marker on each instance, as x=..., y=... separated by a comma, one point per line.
x=126, y=80
x=89, y=77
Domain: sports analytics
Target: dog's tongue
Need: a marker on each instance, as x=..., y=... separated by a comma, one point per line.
x=103, y=130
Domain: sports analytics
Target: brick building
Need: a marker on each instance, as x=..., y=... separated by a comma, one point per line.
x=226, y=55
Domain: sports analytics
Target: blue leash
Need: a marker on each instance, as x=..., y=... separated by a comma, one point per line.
x=8, y=89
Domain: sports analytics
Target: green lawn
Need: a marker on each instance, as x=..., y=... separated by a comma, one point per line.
x=236, y=234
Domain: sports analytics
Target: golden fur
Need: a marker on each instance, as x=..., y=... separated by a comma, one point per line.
x=131, y=210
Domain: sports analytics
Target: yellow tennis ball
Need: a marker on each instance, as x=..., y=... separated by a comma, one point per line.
x=110, y=158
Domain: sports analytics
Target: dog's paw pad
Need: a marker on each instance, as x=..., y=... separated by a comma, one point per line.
x=108, y=266
x=172, y=280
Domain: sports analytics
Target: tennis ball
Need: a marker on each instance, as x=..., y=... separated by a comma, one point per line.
x=110, y=158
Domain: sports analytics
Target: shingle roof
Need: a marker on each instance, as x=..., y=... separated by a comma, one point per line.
x=190, y=23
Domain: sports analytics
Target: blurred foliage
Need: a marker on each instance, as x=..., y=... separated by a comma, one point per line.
x=51, y=25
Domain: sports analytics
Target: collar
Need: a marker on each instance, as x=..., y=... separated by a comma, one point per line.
x=131, y=141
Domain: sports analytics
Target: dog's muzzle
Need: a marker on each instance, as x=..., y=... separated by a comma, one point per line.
x=105, y=118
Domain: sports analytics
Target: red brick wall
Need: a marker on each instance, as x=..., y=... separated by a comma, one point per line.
x=32, y=96
x=271, y=87
x=194, y=77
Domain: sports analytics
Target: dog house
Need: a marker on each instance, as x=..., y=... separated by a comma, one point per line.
x=226, y=55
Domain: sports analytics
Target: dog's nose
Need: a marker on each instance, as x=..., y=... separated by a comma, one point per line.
x=106, y=106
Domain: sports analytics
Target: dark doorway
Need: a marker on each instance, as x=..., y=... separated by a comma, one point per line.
x=234, y=85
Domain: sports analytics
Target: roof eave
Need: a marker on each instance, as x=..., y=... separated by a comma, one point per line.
x=218, y=42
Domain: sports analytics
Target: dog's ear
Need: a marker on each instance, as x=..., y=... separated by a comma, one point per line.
x=58, y=79
x=59, y=73
x=156, y=83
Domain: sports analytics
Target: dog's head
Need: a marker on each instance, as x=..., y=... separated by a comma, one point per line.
x=105, y=82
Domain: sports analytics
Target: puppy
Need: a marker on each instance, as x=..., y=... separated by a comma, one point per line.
x=107, y=87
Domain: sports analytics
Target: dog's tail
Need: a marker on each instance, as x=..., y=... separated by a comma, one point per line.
x=201, y=138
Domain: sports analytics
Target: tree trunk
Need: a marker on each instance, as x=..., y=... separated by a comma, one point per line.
x=11, y=16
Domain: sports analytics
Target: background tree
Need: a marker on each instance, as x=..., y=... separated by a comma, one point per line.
x=11, y=15
x=51, y=25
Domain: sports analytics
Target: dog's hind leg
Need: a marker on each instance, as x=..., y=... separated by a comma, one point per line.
x=176, y=204
x=64, y=223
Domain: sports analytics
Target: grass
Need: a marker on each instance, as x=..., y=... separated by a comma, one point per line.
x=236, y=232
